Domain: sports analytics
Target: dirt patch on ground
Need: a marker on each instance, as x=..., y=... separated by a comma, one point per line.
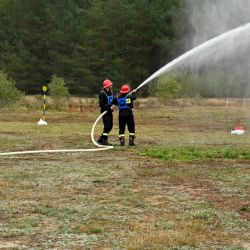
x=4, y=184
x=9, y=245
x=208, y=191
x=43, y=147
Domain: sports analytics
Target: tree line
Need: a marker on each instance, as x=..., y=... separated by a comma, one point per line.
x=86, y=41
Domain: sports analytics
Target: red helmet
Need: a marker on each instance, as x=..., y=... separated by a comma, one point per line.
x=125, y=89
x=107, y=83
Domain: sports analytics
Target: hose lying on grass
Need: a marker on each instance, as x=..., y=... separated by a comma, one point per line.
x=100, y=147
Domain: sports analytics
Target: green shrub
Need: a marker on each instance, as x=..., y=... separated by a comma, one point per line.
x=58, y=88
x=58, y=91
x=8, y=92
x=167, y=88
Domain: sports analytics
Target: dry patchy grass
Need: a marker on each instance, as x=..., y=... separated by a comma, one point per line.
x=122, y=198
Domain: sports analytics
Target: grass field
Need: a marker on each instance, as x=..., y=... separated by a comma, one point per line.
x=186, y=185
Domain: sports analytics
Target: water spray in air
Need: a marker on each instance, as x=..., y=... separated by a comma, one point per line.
x=197, y=50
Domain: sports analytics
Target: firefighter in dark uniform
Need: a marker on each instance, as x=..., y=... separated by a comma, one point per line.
x=106, y=99
x=125, y=104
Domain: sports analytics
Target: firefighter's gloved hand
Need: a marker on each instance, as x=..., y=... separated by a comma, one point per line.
x=109, y=109
x=112, y=107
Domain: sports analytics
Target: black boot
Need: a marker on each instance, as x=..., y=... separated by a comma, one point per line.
x=131, y=140
x=100, y=140
x=106, y=143
x=122, y=141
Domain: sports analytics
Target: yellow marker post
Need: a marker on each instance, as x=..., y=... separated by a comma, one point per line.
x=44, y=88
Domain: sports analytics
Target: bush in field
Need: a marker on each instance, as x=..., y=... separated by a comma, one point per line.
x=167, y=89
x=8, y=91
x=58, y=88
x=58, y=91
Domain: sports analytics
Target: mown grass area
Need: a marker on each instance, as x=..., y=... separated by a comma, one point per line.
x=184, y=186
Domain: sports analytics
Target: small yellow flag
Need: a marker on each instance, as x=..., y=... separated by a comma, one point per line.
x=44, y=88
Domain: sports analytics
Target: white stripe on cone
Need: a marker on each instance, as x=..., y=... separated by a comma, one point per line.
x=238, y=131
